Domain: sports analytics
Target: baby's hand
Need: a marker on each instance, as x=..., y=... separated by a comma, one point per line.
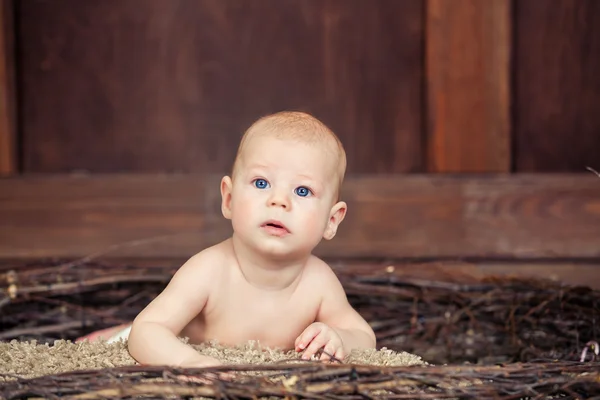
x=316, y=336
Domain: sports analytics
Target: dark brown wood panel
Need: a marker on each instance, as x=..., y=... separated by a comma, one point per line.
x=83, y=215
x=522, y=217
x=8, y=138
x=568, y=273
x=557, y=85
x=468, y=85
x=154, y=85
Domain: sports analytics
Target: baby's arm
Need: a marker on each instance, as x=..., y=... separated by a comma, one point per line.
x=153, y=338
x=338, y=328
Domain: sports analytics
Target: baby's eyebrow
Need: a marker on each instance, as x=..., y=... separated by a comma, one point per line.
x=257, y=166
x=309, y=178
x=256, y=169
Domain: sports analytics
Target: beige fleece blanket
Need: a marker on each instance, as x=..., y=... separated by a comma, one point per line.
x=29, y=359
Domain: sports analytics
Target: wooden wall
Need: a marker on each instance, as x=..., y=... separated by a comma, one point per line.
x=410, y=86
x=423, y=93
x=557, y=85
x=154, y=85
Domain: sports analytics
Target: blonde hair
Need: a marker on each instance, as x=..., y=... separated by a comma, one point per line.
x=300, y=126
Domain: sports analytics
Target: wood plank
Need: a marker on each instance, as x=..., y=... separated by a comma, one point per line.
x=8, y=139
x=577, y=274
x=557, y=86
x=79, y=215
x=567, y=273
x=468, y=45
x=169, y=86
x=523, y=217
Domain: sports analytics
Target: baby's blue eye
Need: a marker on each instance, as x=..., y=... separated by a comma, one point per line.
x=261, y=183
x=303, y=191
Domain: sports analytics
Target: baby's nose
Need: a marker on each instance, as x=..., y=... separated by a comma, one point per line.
x=280, y=200
x=279, y=203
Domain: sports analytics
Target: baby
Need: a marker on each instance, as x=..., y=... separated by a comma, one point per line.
x=263, y=283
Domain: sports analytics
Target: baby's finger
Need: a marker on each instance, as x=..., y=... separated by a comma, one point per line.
x=328, y=353
x=340, y=354
x=314, y=346
x=307, y=336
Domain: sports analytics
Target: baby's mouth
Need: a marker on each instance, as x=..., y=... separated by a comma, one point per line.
x=275, y=226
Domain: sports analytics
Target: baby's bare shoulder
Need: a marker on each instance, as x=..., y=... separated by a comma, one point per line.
x=318, y=272
x=206, y=263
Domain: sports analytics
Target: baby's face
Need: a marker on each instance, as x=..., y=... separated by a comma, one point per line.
x=282, y=195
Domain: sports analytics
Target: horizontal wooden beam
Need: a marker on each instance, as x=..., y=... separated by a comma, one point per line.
x=566, y=273
x=402, y=216
x=562, y=272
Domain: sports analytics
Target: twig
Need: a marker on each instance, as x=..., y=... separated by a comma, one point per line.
x=119, y=246
x=451, y=323
x=320, y=380
x=61, y=288
x=594, y=171
x=42, y=329
x=593, y=346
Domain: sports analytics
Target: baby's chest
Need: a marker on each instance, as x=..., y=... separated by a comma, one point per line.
x=257, y=312
x=272, y=321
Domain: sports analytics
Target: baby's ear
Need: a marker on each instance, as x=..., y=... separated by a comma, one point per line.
x=338, y=212
x=226, y=185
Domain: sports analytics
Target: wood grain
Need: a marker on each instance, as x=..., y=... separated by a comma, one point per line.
x=468, y=46
x=568, y=273
x=169, y=86
x=557, y=85
x=8, y=138
x=523, y=217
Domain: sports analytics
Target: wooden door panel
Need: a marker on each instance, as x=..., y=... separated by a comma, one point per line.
x=557, y=86
x=154, y=85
